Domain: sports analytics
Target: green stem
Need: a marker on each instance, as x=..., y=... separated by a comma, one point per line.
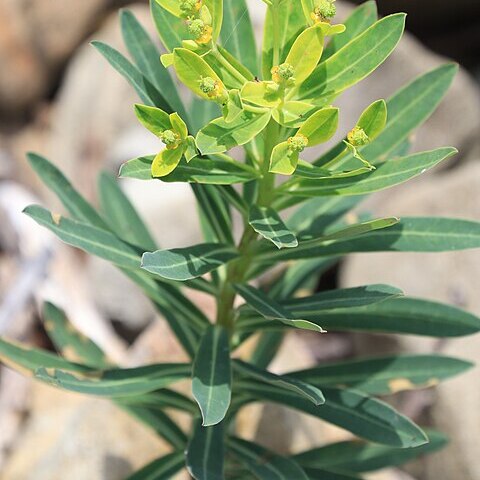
x=276, y=34
x=229, y=67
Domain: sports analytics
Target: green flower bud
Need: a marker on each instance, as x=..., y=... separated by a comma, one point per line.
x=298, y=143
x=170, y=139
x=196, y=28
x=208, y=85
x=357, y=137
x=189, y=7
x=283, y=73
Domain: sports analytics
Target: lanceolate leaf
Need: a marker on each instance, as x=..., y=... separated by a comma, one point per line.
x=354, y=61
x=171, y=29
x=205, y=452
x=357, y=456
x=269, y=225
x=219, y=136
x=162, y=468
x=144, y=88
x=121, y=214
x=212, y=377
x=187, y=263
x=91, y=239
x=271, y=310
x=117, y=382
x=146, y=56
x=386, y=175
x=71, y=343
x=321, y=474
x=302, y=389
x=364, y=416
x=360, y=19
x=264, y=464
x=385, y=375
x=237, y=33
x=161, y=399
x=219, y=170
x=54, y=179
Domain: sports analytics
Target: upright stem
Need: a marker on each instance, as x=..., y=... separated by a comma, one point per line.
x=237, y=269
x=228, y=66
x=276, y=33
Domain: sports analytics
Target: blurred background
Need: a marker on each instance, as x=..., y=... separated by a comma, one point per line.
x=58, y=97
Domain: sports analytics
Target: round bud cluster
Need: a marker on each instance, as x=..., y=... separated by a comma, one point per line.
x=190, y=7
x=208, y=85
x=357, y=137
x=325, y=11
x=298, y=143
x=201, y=32
x=170, y=139
x=283, y=73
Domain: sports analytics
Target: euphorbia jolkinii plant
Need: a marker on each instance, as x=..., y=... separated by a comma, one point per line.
x=293, y=216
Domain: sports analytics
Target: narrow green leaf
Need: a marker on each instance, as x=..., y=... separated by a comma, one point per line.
x=171, y=29
x=270, y=226
x=116, y=382
x=121, y=214
x=387, y=174
x=219, y=170
x=54, y=179
x=146, y=56
x=186, y=263
x=162, y=468
x=359, y=20
x=27, y=360
x=303, y=389
x=271, y=310
x=263, y=463
x=385, y=375
x=205, y=452
x=354, y=411
x=400, y=315
x=354, y=61
x=86, y=237
x=266, y=348
x=71, y=343
x=321, y=474
x=358, y=456
x=144, y=88
x=237, y=33
x=212, y=377
x=309, y=248
x=219, y=136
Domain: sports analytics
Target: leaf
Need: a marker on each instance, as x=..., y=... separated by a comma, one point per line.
x=170, y=28
x=283, y=160
x=306, y=52
x=160, y=423
x=266, y=348
x=214, y=171
x=384, y=375
x=302, y=389
x=373, y=119
x=321, y=474
x=71, y=343
x=307, y=170
x=145, y=54
x=310, y=248
x=153, y=119
x=354, y=61
x=205, y=452
x=354, y=411
x=144, y=88
x=320, y=126
x=216, y=11
x=216, y=213
x=343, y=298
x=186, y=263
x=386, y=175
x=212, y=376
x=27, y=360
x=166, y=161
x=293, y=114
x=162, y=468
x=116, y=382
x=237, y=33
x=356, y=456
x=93, y=240
x=271, y=310
x=400, y=315
x=219, y=136
x=359, y=20
x=54, y=179
x=265, y=464
x=420, y=234
x=121, y=214
x=270, y=226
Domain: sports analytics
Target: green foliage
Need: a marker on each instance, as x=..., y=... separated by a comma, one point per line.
x=307, y=60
